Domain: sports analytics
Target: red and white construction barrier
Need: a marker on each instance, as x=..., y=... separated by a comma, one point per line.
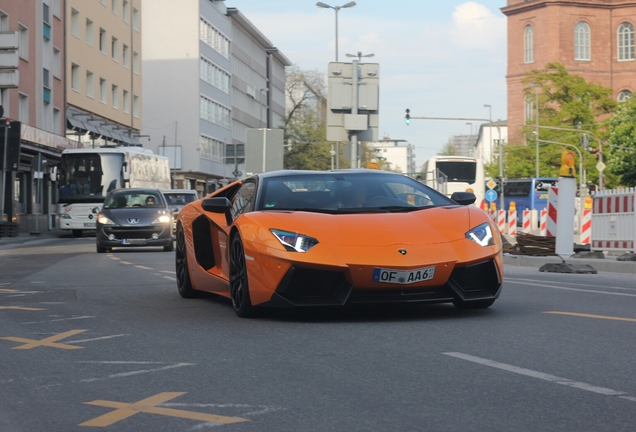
x=553, y=198
x=544, y=223
x=614, y=220
x=512, y=223
x=501, y=221
x=527, y=222
x=586, y=227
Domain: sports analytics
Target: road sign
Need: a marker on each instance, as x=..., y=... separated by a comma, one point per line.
x=491, y=195
x=600, y=166
x=491, y=184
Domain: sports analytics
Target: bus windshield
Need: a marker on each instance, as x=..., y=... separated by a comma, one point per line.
x=459, y=171
x=88, y=177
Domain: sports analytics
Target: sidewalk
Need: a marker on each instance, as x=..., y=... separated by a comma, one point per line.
x=25, y=237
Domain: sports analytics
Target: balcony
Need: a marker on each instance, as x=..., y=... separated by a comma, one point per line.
x=9, y=40
x=9, y=59
x=9, y=78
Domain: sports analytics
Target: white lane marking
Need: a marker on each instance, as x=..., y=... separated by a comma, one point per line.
x=119, y=362
x=114, y=258
x=61, y=319
x=144, y=267
x=125, y=262
x=37, y=282
x=127, y=374
x=571, y=289
x=168, y=271
x=170, y=278
x=573, y=283
x=540, y=375
x=99, y=338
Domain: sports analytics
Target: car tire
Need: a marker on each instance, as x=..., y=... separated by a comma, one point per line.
x=475, y=304
x=169, y=248
x=101, y=249
x=239, y=287
x=184, y=284
x=77, y=233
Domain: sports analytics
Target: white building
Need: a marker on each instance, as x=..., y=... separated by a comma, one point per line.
x=487, y=146
x=397, y=153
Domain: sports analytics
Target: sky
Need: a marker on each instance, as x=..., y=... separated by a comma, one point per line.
x=439, y=58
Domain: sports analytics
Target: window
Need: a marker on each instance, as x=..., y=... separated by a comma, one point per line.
x=4, y=21
x=135, y=18
x=75, y=23
x=103, y=97
x=214, y=112
x=210, y=148
x=126, y=11
x=529, y=44
x=115, y=96
x=57, y=9
x=625, y=42
x=90, y=84
x=46, y=16
x=135, y=62
x=57, y=121
x=624, y=95
x=529, y=108
x=57, y=63
x=90, y=32
x=124, y=55
x=75, y=78
x=126, y=102
x=23, y=49
x=136, y=106
x=46, y=82
x=114, y=50
x=23, y=108
x=214, y=75
x=102, y=40
x=582, y=41
x=211, y=36
x=113, y=6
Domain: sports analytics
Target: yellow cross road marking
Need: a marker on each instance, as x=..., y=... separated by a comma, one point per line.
x=125, y=410
x=49, y=341
x=20, y=308
x=592, y=316
x=7, y=290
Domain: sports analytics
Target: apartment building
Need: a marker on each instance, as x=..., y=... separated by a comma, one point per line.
x=398, y=153
x=103, y=64
x=591, y=38
x=32, y=93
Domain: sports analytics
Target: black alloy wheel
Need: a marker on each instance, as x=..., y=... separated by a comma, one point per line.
x=239, y=288
x=184, y=284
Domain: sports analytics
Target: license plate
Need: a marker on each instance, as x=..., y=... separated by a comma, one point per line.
x=133, y=241
x=403, y=276
x=89, y=224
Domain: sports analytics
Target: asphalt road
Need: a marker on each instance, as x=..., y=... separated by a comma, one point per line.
x=104, y=341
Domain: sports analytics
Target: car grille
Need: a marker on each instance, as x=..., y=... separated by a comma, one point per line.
x=304, y=287
x=133, y=232
x=478, y=281
x=431, y=294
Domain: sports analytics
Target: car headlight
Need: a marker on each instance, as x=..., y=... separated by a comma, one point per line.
x=65, y=216
x=162, y=219
x=104, y=220
x=294, y=242
x=482, y=235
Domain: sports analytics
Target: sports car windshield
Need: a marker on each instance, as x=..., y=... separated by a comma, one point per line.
x=357, y=192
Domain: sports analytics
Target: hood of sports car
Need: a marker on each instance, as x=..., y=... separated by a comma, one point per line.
x=428, y=226
x=133, y=216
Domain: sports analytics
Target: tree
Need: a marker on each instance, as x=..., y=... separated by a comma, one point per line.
x=305, y=127
x=621, y=145
x=567, y=101
x=448, y=150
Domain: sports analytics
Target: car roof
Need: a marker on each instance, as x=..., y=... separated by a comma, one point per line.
x=289, y=173
x=179, y=191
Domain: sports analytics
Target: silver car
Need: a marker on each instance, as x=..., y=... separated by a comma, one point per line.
x=177, y=198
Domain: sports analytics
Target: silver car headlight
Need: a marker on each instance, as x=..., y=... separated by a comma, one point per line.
x=482, y=235
x=162, y=219
x=65, y=216
x=103, y=220
x=294, y=242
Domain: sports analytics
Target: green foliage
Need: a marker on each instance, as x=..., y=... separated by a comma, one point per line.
x=621, y=144
x=565, y=101
x=448, y=150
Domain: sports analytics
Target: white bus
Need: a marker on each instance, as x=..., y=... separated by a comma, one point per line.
x=449, y=174
x=88, y=174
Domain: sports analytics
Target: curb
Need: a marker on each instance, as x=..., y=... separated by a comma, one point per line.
x=610, y=265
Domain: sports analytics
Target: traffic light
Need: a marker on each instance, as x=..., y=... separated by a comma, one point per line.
x=407, y=119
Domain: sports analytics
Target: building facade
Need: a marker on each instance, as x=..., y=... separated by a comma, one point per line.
x=488, y=140
x=258, y=86
x=103, y=64
x=32, y=82
x=398, y=154
x=591, y=38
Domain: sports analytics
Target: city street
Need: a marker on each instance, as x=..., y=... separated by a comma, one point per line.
x=105, y=341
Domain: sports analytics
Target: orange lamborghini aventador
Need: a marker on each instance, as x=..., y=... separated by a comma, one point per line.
x=330, y=238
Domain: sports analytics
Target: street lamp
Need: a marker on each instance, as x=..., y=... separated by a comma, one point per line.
x=536, y=91
x=336, y=8
x=359, y=55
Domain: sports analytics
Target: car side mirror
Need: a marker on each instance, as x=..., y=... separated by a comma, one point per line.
x=463, y=198
x=218, y=205
x=95, y=210
x=175, y=209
